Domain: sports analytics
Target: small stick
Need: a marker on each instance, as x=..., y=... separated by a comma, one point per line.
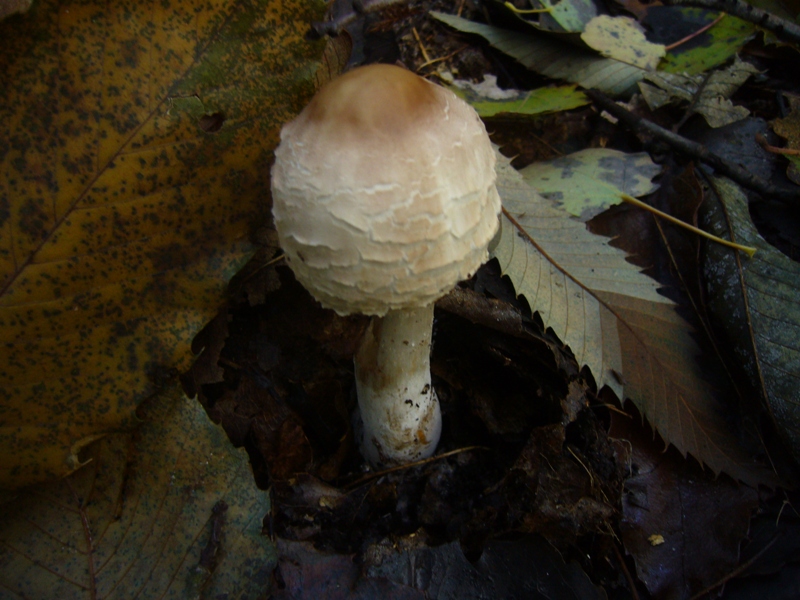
x=762, y=141
x=737, y=571
x=786, y=30
x=425, y=461
x=529, y=11
x=624, y=567
x=691, y=36
x=421, y=47
x=631, y=200
x=693, y=149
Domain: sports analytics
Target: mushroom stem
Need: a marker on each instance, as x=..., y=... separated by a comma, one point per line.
x=399, y=409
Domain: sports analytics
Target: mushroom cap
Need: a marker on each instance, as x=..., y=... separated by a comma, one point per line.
x=384, y=192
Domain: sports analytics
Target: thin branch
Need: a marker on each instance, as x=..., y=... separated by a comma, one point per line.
x=693, y=149
x=736, y=572
x=783, y=29
x=694, y=34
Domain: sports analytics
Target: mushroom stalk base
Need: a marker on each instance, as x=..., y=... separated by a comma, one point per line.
x=399, y=409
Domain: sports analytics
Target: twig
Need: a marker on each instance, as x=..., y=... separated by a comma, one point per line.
x=693, y=149
x=638, y=203
x=624, y=567
x=785, y=30
x=737, y=571
x=762, y=141
x=695, y=99
x=425, y=461
x=421, y=46
x=694, y=34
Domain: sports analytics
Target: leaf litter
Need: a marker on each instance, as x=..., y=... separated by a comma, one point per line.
x=513, y=390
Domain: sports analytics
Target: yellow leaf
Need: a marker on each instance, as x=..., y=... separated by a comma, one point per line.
x=136, y=140
x=623, y=39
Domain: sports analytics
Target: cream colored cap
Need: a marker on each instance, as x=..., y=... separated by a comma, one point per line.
x=383, y=192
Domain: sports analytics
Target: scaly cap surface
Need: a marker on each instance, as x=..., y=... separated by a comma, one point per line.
x=384, y=192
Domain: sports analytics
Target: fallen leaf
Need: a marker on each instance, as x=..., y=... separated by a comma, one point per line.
x=615, y=322
x=137, y=139
x=566, y=15
x=11, y=7
x=712, y=48
x=554, y=58
x=527, y=568
x=708, y=94
x=587, y=182
x=757, y=302
x=682, y=525
x=534, y=102
x=170, y=510
x=623, y=39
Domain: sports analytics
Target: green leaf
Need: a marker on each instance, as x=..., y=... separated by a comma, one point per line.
x=615, y=322
x=589, y=181
x=534, y=102
x=554, y=58
x=757, y=301
x=136, y=140
x=718, y=45
x=570, y=15
x=168, y=511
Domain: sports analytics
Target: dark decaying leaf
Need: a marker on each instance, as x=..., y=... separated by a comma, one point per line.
x=614, y=321
x=135, y=140
x=682, y=526
x=757, y=302
x=168, y=511
x=529, y=568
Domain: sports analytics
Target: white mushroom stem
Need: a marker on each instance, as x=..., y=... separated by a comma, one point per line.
x=399, y=409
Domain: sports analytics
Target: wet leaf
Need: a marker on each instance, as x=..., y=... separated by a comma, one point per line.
x=169, y=510
x=682, y=525
x=407, y=568
x=553, y=58
x=587, y=182
x=708, y=94
x=623, y=39
x=136, y=141
x=615, y=322
x=712, y=48
x=757, y=302
x=566, y=15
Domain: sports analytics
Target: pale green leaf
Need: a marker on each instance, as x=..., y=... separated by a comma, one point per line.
x=534, y=102
x=136, y=139
x=613, y=319
x=138, y=521
x=623, y=39
x=757, y=300
x=554, y=58
x=589, y=181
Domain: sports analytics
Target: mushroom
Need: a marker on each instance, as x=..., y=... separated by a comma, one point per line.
x=384, y=198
